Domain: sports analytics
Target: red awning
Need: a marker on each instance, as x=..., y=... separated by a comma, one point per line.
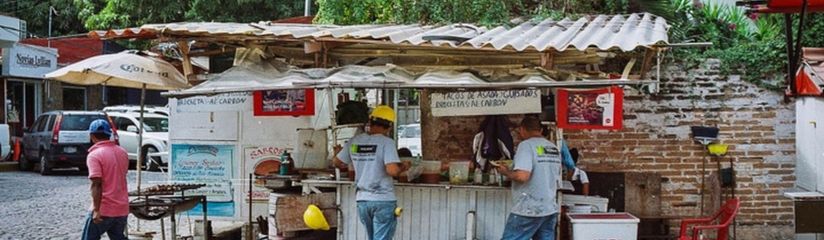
x=70, y=50
x=788, y=6
x=808, y=80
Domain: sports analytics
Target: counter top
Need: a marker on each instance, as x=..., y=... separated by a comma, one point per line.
x=333, y=183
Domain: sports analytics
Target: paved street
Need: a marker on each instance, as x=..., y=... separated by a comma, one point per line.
x=52, y=207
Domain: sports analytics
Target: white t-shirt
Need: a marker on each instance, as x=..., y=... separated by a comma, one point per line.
x=370, y=154
x=580, y=175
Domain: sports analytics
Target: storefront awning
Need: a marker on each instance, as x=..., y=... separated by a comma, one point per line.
x=605, y=32
x=809, y=78
x=247, y=78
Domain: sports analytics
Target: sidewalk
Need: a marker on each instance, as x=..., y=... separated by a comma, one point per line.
x=8, y=166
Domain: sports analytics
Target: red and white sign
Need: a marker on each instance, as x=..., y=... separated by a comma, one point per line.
x=590, y=109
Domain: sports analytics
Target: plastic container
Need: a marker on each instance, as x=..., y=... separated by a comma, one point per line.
x=580, y=208
x=598, y=204
x=431, y=172
x=459, y=172
x=617, y=226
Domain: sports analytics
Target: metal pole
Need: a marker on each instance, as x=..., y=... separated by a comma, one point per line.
x=249, y=229
x=140, y=137
x=788, y=30
x=48, y=42
x=307, y=8
x=797, y=54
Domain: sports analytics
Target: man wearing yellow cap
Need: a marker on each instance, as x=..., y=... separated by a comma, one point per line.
x=376, y=162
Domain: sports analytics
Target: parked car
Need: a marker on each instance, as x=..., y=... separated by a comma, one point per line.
x=410, y=138
x=59, y=139
x=155, y=136
x=136, y=109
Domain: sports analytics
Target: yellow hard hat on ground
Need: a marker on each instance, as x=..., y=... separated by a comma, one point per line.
x=383, y=112
x=314, y=219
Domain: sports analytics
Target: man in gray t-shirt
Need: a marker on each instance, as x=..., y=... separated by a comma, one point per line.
x=376, y=161
x=535, y=178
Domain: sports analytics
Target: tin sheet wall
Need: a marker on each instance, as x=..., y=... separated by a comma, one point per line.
x=436, y=213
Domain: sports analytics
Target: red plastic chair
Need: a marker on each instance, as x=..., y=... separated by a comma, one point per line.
x=720, y=221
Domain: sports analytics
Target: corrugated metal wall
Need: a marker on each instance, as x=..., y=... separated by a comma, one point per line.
x=436, y=212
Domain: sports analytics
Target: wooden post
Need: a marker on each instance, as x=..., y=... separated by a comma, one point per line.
x=187, y=61
x=649, y=54
x=548, y=60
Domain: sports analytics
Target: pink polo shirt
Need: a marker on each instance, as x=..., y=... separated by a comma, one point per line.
x=110, y=163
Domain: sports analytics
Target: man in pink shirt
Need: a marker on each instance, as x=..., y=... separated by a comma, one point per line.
x=108, y=165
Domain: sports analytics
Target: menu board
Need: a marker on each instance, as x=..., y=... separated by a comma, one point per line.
x=210, y=165
x=590, y=109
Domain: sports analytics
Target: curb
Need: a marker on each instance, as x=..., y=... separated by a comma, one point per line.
x=8, y=166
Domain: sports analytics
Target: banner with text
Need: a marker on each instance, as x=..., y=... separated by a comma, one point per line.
x=492, y=102
x=261, y=161
x=226, y=102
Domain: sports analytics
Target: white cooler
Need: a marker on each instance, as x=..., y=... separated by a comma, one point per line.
x=603, y=226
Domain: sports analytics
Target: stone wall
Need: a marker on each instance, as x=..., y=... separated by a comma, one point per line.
x=656, y=138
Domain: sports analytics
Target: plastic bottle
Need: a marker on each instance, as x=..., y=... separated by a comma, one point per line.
x=284, y=163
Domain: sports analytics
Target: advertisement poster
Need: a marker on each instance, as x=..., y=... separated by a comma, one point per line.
x=590, y=109
x=210, y=165
x=493, y=102
x=261, y=161
x=299, y=102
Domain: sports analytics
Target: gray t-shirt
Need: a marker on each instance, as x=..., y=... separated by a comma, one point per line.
x=536, y=197
x=370, y=154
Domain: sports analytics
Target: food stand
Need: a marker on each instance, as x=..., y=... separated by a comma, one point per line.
x=223, y=120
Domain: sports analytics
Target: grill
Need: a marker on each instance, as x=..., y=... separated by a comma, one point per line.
x=166, y=200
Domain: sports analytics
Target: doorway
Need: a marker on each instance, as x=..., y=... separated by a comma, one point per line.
x=23, y=104
x=74, y=98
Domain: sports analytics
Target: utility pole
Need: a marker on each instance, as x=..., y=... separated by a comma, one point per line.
x=307, y=8
x=52, y=11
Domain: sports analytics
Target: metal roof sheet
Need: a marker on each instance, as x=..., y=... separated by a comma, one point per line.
x=605, y=32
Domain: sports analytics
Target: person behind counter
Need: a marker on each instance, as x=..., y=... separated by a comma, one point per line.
x=534, y=185
x=577, y=174
x=376, y=161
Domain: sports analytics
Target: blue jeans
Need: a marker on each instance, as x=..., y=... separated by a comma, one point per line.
x=115, y=227
x=525, y=228
x=379, y=218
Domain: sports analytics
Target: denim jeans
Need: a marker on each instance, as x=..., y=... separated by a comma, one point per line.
x=115, y=227
x=379, y=218
x=525, y=228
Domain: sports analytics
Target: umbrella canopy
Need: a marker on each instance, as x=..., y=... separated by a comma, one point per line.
x=125, y=69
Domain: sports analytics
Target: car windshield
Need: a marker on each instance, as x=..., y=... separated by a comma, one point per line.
x=154, y=124
x=411, y=132
x=77, y=122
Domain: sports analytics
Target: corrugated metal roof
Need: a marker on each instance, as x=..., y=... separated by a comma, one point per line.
x=624, y=32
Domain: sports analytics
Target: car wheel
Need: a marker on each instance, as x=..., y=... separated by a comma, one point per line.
x=153, y=163
x=45, y=167
x=23, y=162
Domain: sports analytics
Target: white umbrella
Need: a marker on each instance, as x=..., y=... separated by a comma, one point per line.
x=125, y=69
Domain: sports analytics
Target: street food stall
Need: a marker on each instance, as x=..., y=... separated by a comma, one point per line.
x=261, y=118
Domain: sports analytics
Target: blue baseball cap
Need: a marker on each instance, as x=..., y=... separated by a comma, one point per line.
x=100, y=126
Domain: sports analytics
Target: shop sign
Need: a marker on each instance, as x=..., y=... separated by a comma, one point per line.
x=210, y=165
x=226, y=102
x=590, y=109
x=261, y=161
x=29, y=61
x=493, y=102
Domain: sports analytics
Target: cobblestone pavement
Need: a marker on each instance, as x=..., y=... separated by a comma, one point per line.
x=55, y=207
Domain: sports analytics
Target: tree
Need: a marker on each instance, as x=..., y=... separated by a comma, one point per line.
x=36, y=15
x=129, y=13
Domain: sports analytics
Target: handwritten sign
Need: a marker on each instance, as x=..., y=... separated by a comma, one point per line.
x=496, y=102
x=261, y=161
x=227, y=102
x=210, y=165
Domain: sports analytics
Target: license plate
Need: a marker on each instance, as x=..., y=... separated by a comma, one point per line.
x=69, y=149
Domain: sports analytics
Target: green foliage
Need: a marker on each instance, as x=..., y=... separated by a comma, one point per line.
x=483, y=12
x=130, y=13
x=36, y=15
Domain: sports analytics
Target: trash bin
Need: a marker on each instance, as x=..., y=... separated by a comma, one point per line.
x=613, y=226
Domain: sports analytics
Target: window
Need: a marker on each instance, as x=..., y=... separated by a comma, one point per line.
x=50, y=123
x=155, y=124
x=122, y=123
x=78, y=122
x=38, y=125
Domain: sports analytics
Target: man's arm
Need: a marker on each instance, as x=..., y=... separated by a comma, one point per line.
x=336, y=160
x=97, y=196
x=395, y=169
x=520, y=176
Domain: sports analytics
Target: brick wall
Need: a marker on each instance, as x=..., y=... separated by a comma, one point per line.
x=656, y=138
